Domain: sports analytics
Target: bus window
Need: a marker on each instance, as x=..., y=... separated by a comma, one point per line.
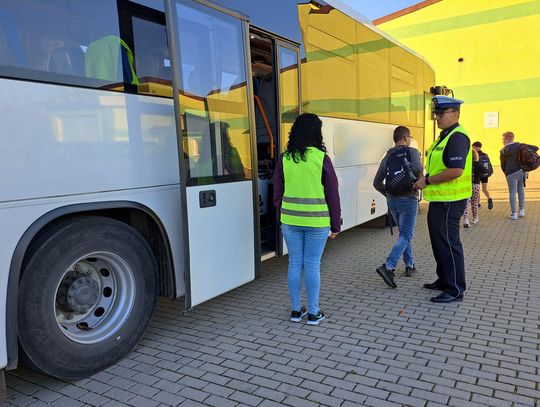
x=213, y=96
x=70, y=42
x=152, y=57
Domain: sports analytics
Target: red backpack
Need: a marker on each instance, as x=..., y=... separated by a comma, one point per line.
x=528, y=157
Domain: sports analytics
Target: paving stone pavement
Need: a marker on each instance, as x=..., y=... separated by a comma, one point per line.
x=377, y=347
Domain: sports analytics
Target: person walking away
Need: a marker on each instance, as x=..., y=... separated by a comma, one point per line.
x=487, y=172
x=474, y=200
x=447, y=186
x=307, y=198
x=397, y=172
x=515, y=177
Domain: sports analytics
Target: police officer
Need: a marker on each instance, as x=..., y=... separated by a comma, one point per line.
x=447, y=185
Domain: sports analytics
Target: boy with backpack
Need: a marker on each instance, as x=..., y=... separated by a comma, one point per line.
x=486, y=171
x=397, y=172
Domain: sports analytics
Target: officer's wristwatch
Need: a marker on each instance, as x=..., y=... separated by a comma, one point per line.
x=427, y=180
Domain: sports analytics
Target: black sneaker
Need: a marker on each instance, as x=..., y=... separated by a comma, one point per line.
x=490, y=203
x=386, y=275
x=296, y=316
x=409, y=271
x=315, y=319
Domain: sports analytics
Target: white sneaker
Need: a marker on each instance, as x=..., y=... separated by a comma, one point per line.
x=513, y=216
x=521, y=213
x=475, y=221
x=466, y=224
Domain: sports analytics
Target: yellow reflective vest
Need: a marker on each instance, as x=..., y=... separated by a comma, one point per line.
x=456, y=189
x=304, y=202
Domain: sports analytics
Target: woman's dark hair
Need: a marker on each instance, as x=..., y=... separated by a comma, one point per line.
x=477, y=144
x=305, y=132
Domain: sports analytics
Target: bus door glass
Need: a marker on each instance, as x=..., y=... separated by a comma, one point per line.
x=289, y=97
x=214, y=111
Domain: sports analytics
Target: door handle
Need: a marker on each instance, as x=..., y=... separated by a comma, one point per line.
x=207, y=199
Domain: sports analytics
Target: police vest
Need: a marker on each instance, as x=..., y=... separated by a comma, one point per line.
x=304, y=203
x=456, y=189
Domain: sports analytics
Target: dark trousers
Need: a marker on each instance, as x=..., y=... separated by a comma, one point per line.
x=443, y=224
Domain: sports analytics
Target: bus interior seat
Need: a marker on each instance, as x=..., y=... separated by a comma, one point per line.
x=67, y=60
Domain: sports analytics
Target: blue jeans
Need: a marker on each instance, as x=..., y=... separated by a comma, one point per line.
x=306, y=245
x=404, y=211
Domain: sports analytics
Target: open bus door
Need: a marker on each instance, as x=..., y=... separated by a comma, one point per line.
x=215, y=132
x=275, y=67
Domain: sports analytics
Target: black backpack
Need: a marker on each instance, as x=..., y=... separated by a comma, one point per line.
x=487, y=169
x=399, y=176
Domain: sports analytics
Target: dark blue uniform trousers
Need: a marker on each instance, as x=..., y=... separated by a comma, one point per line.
x=443, y=224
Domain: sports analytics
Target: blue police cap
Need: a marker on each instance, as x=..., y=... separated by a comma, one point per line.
x=441, y=103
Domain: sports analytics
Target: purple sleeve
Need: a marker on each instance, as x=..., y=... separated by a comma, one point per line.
x=331, y=192
x=278, y=180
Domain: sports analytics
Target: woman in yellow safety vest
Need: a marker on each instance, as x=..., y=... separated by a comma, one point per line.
x=307, y=198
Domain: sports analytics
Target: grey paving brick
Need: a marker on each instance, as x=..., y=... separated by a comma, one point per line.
x=64, y=401
x=219, y=402
x=193, y=394
x=455, y=402
x=39, y=403
x=167, y=398
x=19, y=400
x=370, y=401
x=295, y=401
x=407, y=400
x=324, y=399
x=394, y=387
x=139, y=401
x=93, y=399
x=490, y=401
x=269, y=394
x=270, y=403
x=118, y=394
x=246, y=398
x=515, y=398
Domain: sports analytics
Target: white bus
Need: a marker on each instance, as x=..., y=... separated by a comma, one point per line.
x=113, y=192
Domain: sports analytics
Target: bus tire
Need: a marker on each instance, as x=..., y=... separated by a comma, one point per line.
x=86, y=296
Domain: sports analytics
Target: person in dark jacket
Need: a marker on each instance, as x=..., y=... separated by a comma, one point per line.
x=307, y=198
x=403, y=208
x=515, y=177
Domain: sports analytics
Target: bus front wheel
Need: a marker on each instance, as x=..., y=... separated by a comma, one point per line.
x=86, y=296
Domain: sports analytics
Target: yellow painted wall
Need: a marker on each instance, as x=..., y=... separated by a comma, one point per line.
x=499, y=41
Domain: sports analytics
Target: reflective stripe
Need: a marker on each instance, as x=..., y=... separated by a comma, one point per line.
x=444, y=193
x=305, y=214
x=307, y=201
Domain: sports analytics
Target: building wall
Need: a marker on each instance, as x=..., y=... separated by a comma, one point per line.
x=499, y=71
